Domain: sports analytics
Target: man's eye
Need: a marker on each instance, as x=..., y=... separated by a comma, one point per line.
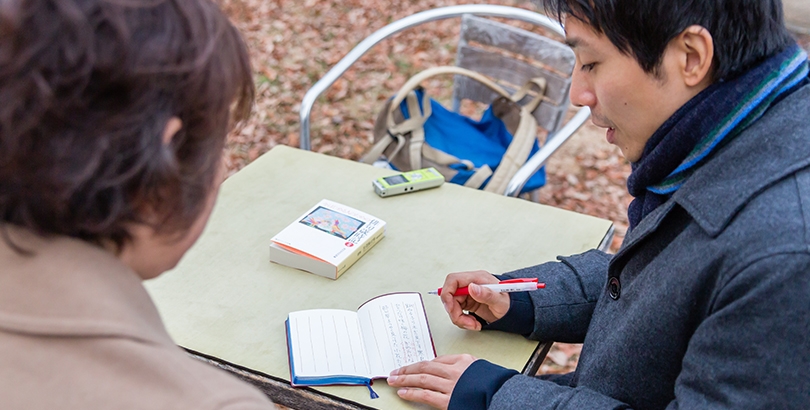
x=588, y=67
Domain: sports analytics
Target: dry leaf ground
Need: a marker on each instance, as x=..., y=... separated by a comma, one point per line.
x=293, y=43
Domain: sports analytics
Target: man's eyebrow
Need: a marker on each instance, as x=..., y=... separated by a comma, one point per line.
x=573, y=42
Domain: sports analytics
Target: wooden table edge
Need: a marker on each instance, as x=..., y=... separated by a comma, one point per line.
x=281, y=392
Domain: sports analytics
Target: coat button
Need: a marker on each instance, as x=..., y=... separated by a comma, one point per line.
x=614, y=288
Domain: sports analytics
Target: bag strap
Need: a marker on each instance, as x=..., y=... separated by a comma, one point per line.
x=522, y=141
x=376, y=151
x=418, y=133
x=443, y=158
x=413, y=124
x=417, y=117
x=479, y=177
x=417, y=79
x=541, y=83
x=516, y=154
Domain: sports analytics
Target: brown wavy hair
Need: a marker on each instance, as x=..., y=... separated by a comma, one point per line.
x=86, y=89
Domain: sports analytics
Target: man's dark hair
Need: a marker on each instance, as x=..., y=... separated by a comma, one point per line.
x=745, y=32
x=86, y=89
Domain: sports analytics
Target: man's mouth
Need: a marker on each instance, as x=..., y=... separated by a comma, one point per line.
x=610, y=135
x=601, y=122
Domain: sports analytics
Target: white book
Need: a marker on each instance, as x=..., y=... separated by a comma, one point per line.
x=327, y=239
x=331, y=346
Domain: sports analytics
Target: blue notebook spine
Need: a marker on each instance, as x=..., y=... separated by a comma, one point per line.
x=326, y=380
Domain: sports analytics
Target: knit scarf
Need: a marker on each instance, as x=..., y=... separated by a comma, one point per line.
x=708, y=121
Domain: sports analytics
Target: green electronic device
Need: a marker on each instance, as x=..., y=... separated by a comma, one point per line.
x=405, y=182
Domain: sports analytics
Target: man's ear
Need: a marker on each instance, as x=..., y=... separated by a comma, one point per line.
x=696, y=48
x=172, y=126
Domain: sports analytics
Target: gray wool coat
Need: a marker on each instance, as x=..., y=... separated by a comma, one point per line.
x=707, y=303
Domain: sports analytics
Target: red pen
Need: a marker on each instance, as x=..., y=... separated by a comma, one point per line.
x=504, y=286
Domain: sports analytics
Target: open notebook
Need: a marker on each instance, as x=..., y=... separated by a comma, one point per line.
x=331, y=346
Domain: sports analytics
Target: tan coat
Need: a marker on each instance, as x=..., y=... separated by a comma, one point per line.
x=79, y=331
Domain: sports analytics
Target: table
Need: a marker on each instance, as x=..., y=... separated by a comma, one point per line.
x=226, y=303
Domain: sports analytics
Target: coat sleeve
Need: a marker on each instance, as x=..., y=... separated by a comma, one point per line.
x=562, y=310
x=750, y=351
x=516, y=391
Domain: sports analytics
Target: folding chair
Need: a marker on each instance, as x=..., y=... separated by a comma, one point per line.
x=507, y=54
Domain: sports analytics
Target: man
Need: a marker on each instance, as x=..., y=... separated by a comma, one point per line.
x=706, y=303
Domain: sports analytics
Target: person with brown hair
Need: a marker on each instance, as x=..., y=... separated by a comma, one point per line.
x=112, y=125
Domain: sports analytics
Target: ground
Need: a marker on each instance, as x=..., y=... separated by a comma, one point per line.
x=292, y=45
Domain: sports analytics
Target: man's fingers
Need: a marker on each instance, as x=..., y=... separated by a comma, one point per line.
x=427, y=367
x=467, y=302
x=496, y=302
x=447, y=297
x=454, y=311
x=461, y=319
x=454, y=281
x=467, y=322
x=422, y=381
x=429, y=397
x=430, y=382
x=483, y=294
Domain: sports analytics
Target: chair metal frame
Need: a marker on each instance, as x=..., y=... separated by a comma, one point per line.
x=553, y=142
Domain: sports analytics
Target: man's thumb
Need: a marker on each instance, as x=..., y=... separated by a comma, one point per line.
x=480, y=293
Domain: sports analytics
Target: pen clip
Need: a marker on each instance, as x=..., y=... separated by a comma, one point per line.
x=520, y=280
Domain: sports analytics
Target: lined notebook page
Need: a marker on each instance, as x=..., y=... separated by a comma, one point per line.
x=395, y=331
x=327, y=342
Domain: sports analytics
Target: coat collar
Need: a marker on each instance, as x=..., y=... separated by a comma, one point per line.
x=775, y=146
x=71, y=288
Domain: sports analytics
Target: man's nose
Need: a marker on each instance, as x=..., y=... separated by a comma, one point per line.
x=582, y=94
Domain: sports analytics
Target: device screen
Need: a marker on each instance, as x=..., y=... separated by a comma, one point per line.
x=395, y=180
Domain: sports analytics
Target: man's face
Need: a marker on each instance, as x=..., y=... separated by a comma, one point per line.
x=623, y=98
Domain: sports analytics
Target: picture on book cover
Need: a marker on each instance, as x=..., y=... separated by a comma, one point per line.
x=332, y=222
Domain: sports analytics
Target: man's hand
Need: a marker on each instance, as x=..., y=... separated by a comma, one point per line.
x=430, y=382
x=484, y=302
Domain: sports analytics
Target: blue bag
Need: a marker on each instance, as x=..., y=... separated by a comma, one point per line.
x=481, y=154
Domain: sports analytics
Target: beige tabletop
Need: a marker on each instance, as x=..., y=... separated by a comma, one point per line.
x=226, y=300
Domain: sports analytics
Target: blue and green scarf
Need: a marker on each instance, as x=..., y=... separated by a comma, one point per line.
x=687, y=139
